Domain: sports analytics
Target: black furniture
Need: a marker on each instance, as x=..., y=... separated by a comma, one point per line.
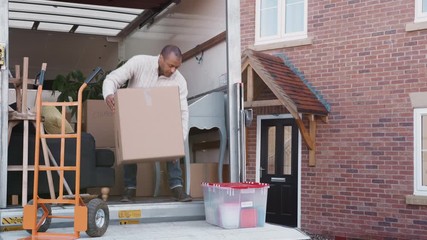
x=96, y=164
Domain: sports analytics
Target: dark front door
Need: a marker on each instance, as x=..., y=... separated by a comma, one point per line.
x=279, y=168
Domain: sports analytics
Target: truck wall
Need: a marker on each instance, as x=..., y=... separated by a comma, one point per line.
x=198, y=22
x=63, y=52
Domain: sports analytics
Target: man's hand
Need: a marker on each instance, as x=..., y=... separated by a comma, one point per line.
x=174, y=161
x=110, y=102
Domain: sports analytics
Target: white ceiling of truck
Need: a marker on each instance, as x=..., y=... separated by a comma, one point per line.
x=70, y=17
x=163, y=19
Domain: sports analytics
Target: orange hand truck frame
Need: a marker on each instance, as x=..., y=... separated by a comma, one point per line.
x=93, y=217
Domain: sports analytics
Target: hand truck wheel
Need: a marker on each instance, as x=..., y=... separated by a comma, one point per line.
x=98, y=217
x=46, y=222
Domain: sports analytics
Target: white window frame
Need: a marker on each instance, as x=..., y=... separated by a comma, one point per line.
x=419, y=189
x=419, y=15
x=282, y=36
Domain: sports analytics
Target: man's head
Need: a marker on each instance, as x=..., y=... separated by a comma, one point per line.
x=170, y=60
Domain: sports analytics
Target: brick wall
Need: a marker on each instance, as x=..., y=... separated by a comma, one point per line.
x=364, y=64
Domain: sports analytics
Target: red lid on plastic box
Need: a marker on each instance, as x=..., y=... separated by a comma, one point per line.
x=237, y=185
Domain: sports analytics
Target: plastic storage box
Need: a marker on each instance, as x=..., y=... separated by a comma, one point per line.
x=235, y=205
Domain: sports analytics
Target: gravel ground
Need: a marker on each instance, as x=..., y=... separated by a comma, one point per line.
x=318, y=237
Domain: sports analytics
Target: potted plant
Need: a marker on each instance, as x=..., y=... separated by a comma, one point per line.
x=68, y=86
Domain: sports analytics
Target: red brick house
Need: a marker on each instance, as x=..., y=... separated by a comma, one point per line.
x=365, y=63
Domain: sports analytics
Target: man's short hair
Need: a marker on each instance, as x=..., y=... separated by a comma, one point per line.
x=168, y=49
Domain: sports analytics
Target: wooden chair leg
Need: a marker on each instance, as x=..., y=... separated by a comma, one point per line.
x=25, y=164
x=47, y=163
x=157, y=179
x=105, y=191
x=11, y=125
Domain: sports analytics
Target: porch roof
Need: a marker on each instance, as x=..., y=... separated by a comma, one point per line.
x=277, y=80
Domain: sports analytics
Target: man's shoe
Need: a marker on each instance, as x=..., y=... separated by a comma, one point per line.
x=180, y=195
x=128, y=195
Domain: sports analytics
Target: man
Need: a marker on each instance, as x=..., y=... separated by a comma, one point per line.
x=145, y=71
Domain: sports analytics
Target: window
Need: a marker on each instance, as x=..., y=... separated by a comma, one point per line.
x=280, y=20
x=420, y=10
x=420, y=151
x=271, y=150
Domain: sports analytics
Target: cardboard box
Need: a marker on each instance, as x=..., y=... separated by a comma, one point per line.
x=146, y=178
x=98, y=120
x=148, y=124
x=201, y=172
x=145, y=181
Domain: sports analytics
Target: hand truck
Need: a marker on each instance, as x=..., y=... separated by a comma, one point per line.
x=93, y=217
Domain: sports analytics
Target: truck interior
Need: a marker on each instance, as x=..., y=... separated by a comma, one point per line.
x=81, y=35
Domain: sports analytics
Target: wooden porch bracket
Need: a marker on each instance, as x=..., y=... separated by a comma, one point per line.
x=305, y=134
x=312, y=152
x=263, y=103
x=309, y=137
x=324, y=119
x=250, y=87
